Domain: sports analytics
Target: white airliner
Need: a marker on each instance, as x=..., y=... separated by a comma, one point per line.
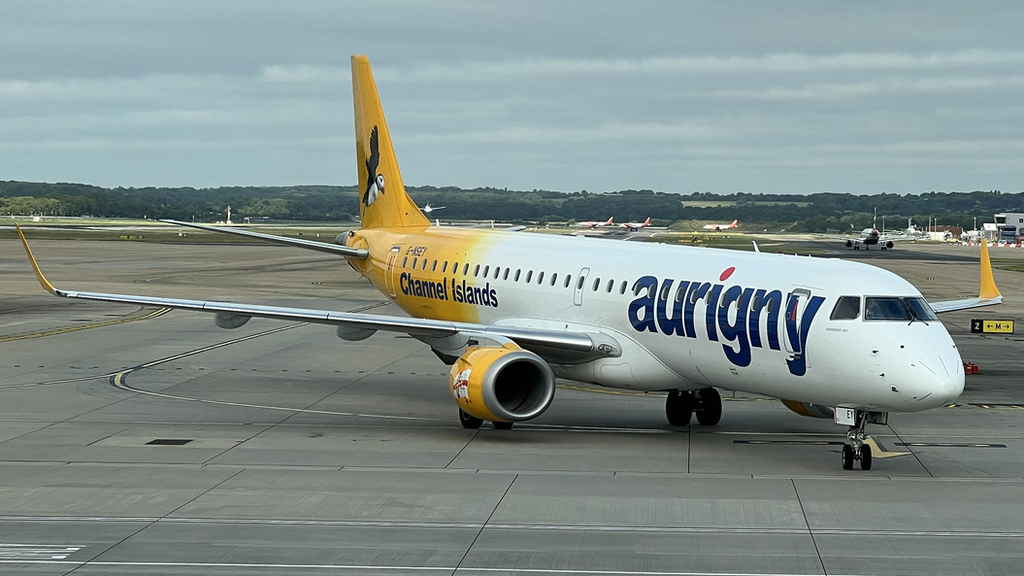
x=720, y=227
x=870, y=237
x=594, y=224
x=634, y=226
x=428, y=208
x=511, y=311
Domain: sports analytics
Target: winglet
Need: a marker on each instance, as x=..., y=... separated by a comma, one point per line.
x=39, y=274
x=988, y=282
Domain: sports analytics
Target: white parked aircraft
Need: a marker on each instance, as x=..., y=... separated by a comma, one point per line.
x=428, y=208
x=511, y=311
x=720, y=227
x=634, y=226
x=594, y=224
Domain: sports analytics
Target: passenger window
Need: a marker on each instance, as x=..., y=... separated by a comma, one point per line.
x=597, y=284
x=476, y=271
x=505, y=277
x=846, y=308
x=405, y=261
x=622, y=287
x=540, y=277
x=444, y=267
x=693, y=297
x=681, y=292
x=664, y=291
x=554, y=277
x=611, y=284
x=518, y=270
x=497, y=272
x=424, y=264
x=579, y=283
x=651, y=289
x=568, y=280
x=529, y=276
x=637, y=288
x=486, y=270
x=414, y=263
x=433, y=267
x=465, y=269
x=455, y=268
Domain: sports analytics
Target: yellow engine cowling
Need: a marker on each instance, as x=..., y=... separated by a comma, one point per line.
x=810, y=410
x=505, y=384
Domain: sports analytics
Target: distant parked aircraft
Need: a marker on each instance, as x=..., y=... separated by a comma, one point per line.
x=720, y=227
x=594, y=224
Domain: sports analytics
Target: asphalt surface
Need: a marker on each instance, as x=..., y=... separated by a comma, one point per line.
x=281, y=449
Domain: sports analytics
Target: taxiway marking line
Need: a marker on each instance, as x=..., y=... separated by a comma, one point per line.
x=519, y=526
x=154, y=314
x=117, y=379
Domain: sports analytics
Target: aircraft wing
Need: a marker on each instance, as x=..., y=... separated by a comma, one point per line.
x=854, y=239
x=964, y=304
x=553, y=345
x=888, y=238
x=359, y=253
x=988, y=294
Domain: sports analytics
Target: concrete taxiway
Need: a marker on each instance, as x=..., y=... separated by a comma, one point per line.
x=151, y=442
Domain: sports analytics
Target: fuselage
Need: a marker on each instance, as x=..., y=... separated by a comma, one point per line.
x=686, y=318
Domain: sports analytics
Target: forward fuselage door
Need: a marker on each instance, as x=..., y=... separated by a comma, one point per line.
x=796, y=302
x=581, y=280
x=389, y=270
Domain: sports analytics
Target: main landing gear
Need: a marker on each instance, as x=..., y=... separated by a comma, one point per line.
x=855, y=448
x=681, y=405
x=473, y=423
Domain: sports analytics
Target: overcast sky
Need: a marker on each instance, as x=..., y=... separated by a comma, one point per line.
x=759, y=96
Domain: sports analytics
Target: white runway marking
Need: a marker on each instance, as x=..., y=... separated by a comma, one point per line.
x=32, y=552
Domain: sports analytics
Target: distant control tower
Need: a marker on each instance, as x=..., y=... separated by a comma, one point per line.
x=229, y=215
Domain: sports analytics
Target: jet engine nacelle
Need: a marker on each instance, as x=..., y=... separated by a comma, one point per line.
x=848, y=243
x=889, y=244
x=810, y=410
x=505, y=384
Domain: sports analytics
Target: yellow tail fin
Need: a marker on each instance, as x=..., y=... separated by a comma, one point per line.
x=383, y=202
x=988, y=282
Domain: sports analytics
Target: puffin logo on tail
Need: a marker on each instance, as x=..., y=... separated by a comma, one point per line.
x=374, y=181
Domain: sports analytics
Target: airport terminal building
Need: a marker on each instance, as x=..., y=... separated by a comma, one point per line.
x=1009, y=226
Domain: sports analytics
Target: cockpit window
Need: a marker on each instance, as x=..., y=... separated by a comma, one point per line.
x=885, y=308
x=921, y=309
x=895, y=308
x=847, y=308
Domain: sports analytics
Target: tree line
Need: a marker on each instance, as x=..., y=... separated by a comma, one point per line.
x=796, y=212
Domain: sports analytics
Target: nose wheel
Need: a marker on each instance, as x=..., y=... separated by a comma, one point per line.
x=855, y=449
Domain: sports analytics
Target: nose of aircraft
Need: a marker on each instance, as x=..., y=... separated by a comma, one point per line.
x=938, y=377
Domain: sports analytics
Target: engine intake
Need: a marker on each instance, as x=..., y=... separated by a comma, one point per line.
x=505, y=384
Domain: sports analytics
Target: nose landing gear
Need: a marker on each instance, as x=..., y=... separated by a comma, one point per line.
x=855, y=448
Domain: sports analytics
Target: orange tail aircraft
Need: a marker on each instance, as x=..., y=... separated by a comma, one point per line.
x=510, y=311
